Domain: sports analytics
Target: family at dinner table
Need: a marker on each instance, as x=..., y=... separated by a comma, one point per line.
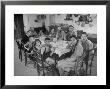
x=60, y=47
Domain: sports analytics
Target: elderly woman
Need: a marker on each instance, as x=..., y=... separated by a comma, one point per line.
x=68, y=64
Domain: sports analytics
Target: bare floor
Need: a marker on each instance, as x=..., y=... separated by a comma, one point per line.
x=19, y=67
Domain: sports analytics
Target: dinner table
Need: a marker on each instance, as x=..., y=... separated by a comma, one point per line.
x=60, y=47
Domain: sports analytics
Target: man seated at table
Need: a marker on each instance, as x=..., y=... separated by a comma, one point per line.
x=86, y=43
x=72, y=32
x=87, y=46
x=69, y=63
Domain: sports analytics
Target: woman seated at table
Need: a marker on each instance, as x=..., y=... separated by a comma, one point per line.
x=36, y=50
x=69, y=63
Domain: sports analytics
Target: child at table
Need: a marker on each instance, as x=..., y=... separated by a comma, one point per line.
x=37, y=45
x=46, y=49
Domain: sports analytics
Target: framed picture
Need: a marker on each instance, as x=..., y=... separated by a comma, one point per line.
x=54, y=43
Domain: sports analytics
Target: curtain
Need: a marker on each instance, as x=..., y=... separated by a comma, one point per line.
x=18, y=26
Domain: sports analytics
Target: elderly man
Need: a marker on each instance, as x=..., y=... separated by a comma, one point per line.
x=87, y=44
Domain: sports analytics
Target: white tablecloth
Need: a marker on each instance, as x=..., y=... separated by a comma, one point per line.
x=60, y=47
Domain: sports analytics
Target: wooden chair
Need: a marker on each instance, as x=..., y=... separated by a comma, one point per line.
x=84, y=61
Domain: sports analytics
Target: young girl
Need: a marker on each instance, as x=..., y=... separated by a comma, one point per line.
x=37, y=45
x=37, y=49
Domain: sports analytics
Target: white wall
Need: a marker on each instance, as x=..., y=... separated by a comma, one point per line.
x=29, y=21
x=26, y=22
x=93, y=29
